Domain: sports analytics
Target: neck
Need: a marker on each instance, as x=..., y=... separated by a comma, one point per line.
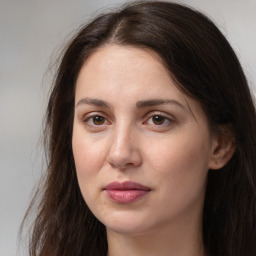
x=183, y=239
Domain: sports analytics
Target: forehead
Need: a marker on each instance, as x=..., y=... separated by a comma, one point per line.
x=126, y=74
x=121, y=67
x=123, y=59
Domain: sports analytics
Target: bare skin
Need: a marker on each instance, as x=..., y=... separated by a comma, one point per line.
x=133, y=124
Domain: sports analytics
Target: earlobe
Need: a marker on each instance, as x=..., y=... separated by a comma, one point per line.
x=223, y=148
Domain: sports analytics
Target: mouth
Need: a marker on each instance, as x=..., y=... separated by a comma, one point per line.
x=126, y=192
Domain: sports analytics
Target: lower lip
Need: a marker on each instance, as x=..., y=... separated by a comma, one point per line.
x=125, y=196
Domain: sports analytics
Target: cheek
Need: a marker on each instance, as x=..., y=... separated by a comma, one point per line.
x=88, y=153
x=89, y=158
x=183, y=161
x=181, y=172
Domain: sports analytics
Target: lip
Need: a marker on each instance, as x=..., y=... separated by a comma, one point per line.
x=125, y=192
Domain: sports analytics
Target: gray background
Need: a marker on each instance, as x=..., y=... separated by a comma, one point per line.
x=31, y=34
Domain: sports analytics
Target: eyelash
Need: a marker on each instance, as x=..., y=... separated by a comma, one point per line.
x=164, y=122
x=90, y=120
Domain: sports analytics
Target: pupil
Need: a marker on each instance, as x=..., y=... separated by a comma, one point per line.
x=98, y=120
x=158, y=120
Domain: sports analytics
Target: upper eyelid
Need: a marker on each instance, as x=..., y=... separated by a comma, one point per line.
x=164, y=117
x=90, y=118
x=111, y=119
x=87, y=120
x=160, y=113
x=95, y=113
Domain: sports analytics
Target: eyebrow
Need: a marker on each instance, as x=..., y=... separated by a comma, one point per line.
x=156, y=102
x=139, y=104
x=94, y=102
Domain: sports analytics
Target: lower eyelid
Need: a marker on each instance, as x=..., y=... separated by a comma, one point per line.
x=169, y=118
x=87, y=120
x=90, y=119
x=164, y=123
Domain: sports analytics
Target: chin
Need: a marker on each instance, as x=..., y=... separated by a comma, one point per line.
x=127, y=230
x=127, y=223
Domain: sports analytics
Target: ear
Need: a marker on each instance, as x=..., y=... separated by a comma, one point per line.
x=223, y=147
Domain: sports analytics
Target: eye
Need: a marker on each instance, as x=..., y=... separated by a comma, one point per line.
x=159, y=120
x=96, y=120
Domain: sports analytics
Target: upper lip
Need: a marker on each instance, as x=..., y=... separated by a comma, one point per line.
x=127, y=185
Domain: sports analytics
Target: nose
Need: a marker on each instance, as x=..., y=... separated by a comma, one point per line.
x=124, y=151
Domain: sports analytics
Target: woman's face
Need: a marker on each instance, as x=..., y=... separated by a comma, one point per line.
x=142, y=148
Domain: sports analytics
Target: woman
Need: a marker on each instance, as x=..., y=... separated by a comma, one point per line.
x=151, y=140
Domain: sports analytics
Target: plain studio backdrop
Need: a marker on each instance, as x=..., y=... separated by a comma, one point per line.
x=32, y=32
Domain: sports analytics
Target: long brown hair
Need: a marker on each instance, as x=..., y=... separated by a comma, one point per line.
x=205, y=67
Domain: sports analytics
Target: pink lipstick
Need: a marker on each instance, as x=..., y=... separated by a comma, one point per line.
x=126, y=192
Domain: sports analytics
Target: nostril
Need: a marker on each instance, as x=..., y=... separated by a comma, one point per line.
x=120, y=165
x=124, y=161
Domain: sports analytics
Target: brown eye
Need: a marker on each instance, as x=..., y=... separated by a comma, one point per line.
x=158, y=120
x=98, y=120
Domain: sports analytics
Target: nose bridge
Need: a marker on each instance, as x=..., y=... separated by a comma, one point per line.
x=122, y=134
x=123, y=150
